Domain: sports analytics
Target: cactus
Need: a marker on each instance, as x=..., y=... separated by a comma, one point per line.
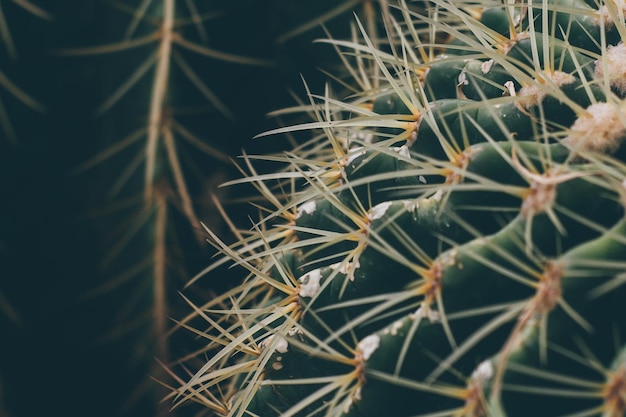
x=452, y=244
x=155, y=64
x=399, y=186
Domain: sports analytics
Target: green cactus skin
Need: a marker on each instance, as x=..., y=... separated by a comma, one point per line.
x=459, y=249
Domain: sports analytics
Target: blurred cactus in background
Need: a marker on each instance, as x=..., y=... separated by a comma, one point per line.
x=12, y=93
x=155, y=81
x=20, y=110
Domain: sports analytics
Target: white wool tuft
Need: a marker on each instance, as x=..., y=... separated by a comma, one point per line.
x=309, y=207
x=484, y=372
x=613, y=66
x=369, y=345
x=379, y=210
x=310, y=283
x=354, y=154
x=404, y=151
x=535, y=93
x=601, y=129
x=281, y=345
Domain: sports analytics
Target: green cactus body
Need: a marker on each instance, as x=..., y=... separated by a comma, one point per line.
x=468, y=257
x=581, y=21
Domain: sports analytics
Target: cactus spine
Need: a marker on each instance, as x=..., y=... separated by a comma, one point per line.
x=454, y=243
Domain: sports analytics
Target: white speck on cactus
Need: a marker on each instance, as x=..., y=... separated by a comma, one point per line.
x=341, y=266
x=422, y=179
x=281, y=344
x=354, y=154
x=347, y=268
x=448, y=258
x=437, y=196
x=480, y=241
x=411, y=205
x=462, y=80
x=485, y=67
x=362, y=136
x=510, y=87
x=308, y=208
x=393, y=329
x=368, y=346
x=404, y=151
x=484, y=371
x=417, y=314
x=310, y=283
x=613, y=66
x=379, y=210
x=294, y=331
x=421, y=312
x=600, y=129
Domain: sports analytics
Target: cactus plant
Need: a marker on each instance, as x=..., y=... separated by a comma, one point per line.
x=155, y=64
x=453, y=243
